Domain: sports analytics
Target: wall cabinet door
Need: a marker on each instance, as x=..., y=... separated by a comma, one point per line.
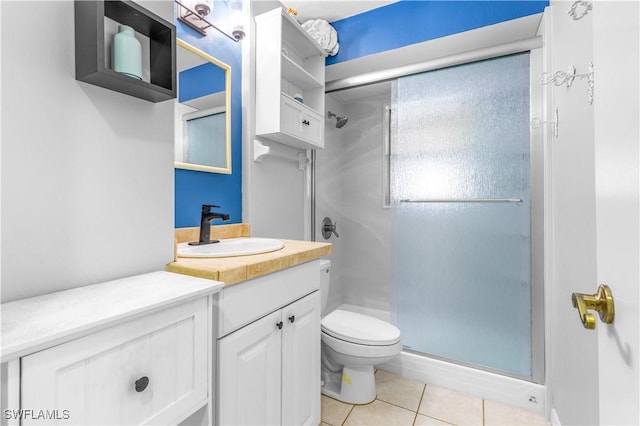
x=291, y=116
x=249, y=377
x=301, y=362
x=298, y=121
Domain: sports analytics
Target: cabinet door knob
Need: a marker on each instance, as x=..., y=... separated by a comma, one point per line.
x=292, y=318
x=279, y=325
x=142, y=383
x=305, y=122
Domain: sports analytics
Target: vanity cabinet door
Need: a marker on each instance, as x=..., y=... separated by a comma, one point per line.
x=149, y=370
x=301, y=362
x=249, y=379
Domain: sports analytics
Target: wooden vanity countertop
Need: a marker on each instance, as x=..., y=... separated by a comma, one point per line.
x=233, y=270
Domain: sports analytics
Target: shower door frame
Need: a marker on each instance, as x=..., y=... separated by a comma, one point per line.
x=534, y=47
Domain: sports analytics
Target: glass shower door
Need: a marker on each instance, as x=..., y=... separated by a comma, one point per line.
x=460, y=186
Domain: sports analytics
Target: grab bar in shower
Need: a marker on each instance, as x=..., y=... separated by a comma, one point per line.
x=462, y=200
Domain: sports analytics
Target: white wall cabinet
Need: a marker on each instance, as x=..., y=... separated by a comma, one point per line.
x=288, y=62
x=132, y=351
x=269, y=367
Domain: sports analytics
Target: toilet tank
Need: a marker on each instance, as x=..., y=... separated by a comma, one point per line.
x=325, y=278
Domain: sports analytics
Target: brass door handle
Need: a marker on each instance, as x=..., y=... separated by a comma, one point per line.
x=601, y=302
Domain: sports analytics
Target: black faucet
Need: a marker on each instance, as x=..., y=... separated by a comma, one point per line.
x=205, y=226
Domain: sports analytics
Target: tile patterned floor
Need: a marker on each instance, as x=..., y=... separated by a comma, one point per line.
x=406, y=402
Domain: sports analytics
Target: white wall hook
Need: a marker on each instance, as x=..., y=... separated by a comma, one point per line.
x=559, y=78
x=579, y=9
x=536, y=122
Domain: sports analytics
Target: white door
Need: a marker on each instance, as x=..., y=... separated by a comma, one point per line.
x=301, y=362
x=617, y=163
x=593, y=214
x=570, y=222
x=249, y=374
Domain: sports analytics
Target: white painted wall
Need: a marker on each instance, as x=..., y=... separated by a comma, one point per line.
x=87, y=173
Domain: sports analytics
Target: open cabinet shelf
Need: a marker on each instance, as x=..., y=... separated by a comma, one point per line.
x=91, y=49
x=289, y=62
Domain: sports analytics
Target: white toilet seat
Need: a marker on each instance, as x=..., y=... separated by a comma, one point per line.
x=357, y=350
x=359, y=329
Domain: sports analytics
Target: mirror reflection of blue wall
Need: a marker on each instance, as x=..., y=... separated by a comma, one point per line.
x=200, y=81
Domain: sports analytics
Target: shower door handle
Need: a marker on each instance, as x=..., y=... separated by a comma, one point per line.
x=601, y=302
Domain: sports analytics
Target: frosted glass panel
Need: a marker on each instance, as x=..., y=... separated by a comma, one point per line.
x=461, y=270
x=206, y=140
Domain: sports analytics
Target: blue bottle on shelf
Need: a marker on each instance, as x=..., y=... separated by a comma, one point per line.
x=127, y=53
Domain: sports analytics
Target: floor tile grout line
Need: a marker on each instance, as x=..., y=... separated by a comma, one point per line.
x=415, y=418
x=484, y=422
x=350, y=411
x=395, y=405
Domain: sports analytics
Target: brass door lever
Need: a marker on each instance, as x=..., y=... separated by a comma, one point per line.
x=602, y=302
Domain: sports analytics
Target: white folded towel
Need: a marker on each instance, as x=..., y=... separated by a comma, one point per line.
x=324, y=34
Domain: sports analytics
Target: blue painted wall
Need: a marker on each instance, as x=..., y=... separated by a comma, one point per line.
x=192, y=188
x=408, y=22
x=389, y=27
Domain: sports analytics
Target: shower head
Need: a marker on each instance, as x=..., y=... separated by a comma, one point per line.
x=340, y=121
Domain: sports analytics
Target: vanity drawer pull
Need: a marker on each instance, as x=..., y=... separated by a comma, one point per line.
x=142, y=383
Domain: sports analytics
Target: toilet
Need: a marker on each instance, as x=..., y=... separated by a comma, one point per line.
x=352, y=344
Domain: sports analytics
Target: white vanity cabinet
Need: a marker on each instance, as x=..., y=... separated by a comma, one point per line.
x=269, y=352
x=132, y=351
x=289, y=62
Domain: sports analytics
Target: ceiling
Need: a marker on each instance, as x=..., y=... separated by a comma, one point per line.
x=332, y=10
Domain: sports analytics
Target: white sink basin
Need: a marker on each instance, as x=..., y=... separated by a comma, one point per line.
x=231, y=247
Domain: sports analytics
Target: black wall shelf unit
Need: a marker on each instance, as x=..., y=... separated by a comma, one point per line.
x=90, y=49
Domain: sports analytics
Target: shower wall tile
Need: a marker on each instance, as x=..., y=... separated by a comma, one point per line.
x=329, y=197
x=366, y=224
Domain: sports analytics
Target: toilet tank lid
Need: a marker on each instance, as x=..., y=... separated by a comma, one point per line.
x=358, y=328
x=324, y=264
